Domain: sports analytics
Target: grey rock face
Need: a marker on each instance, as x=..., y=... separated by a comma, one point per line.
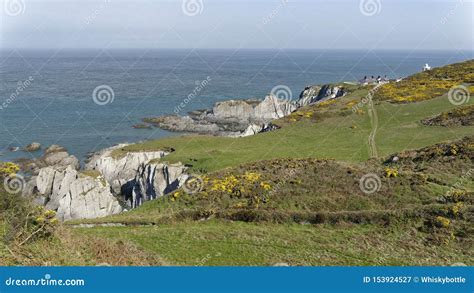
x=82, y=195
x=233, y=109
x=155, y=180
x=316, y=94
x=119, y=171
x=61, y=159
x=253, y=129
x=72, y=194
x=273, y=108
x=135, y=178
x=228, y=118
x=184, y=124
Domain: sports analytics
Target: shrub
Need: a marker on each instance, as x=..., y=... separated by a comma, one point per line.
x=428, y=84
x=24, y=222
x=391, y=172
x=8, y=169
x=442, y=222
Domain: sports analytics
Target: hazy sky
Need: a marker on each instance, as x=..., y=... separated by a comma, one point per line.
x=233, y=24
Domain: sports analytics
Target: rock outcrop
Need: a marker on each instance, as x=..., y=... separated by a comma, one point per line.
x=56, y=183
x=73, y=195
x=244, y=117
x=106, y=186
x=33, y=147
x=135, y=177
x=54, y=156
x=155, y=180
x=119, y=171
x=316, y=94
x=228, y=118
x=253, y=129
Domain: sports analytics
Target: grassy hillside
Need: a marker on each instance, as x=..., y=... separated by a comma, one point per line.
x=213, y=242
x=287, y=190
x=329, y=131
x=315, y=213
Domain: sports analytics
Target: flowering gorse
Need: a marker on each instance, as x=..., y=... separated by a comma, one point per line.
x=247, y=190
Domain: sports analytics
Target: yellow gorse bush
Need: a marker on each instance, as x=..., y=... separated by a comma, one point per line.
x=249, y=189
x=428, y=84
x=443, y=222
x=227, y=184
x=327, y=103
x=457, y=208
x=391, y=172
x=350, y=104
x=8, y=169
x=252, y=176
x=265, y=185
x=455, y=195
x=175, y=195
x=454, y=149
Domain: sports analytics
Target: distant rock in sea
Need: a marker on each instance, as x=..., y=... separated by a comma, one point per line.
x=33, y=147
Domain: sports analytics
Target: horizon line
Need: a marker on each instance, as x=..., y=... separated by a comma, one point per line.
x=229, y=48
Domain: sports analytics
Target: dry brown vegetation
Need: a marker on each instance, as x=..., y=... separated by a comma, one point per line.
x=461, y=116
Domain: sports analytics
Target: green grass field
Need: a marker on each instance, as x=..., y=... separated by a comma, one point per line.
x=238, y=243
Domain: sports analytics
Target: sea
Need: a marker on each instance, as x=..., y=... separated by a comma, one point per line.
x=87, y=100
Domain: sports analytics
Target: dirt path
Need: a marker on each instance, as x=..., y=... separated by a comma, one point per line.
x=374, y=122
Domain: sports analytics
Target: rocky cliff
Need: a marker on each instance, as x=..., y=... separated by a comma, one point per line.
x=154, y=180
x=72, y=194
x=228, y=118
x=106, y=186
x=316, y=94
x=135, y=177
x=57, y=184
x=244, y=117
x=119, y=171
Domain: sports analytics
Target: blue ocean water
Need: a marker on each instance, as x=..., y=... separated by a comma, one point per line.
x=47, y=96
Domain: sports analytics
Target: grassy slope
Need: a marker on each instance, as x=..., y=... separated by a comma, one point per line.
x=333, y=137
x=66, y=248
x=319, y=217
x=239, y=243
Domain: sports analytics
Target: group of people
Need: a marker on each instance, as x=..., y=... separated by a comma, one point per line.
x=373, y=80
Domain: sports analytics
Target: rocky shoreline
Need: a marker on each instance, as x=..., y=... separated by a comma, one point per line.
x=239, y=118
x=108, y=185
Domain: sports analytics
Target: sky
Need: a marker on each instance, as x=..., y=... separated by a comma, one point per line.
x=284, y=24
